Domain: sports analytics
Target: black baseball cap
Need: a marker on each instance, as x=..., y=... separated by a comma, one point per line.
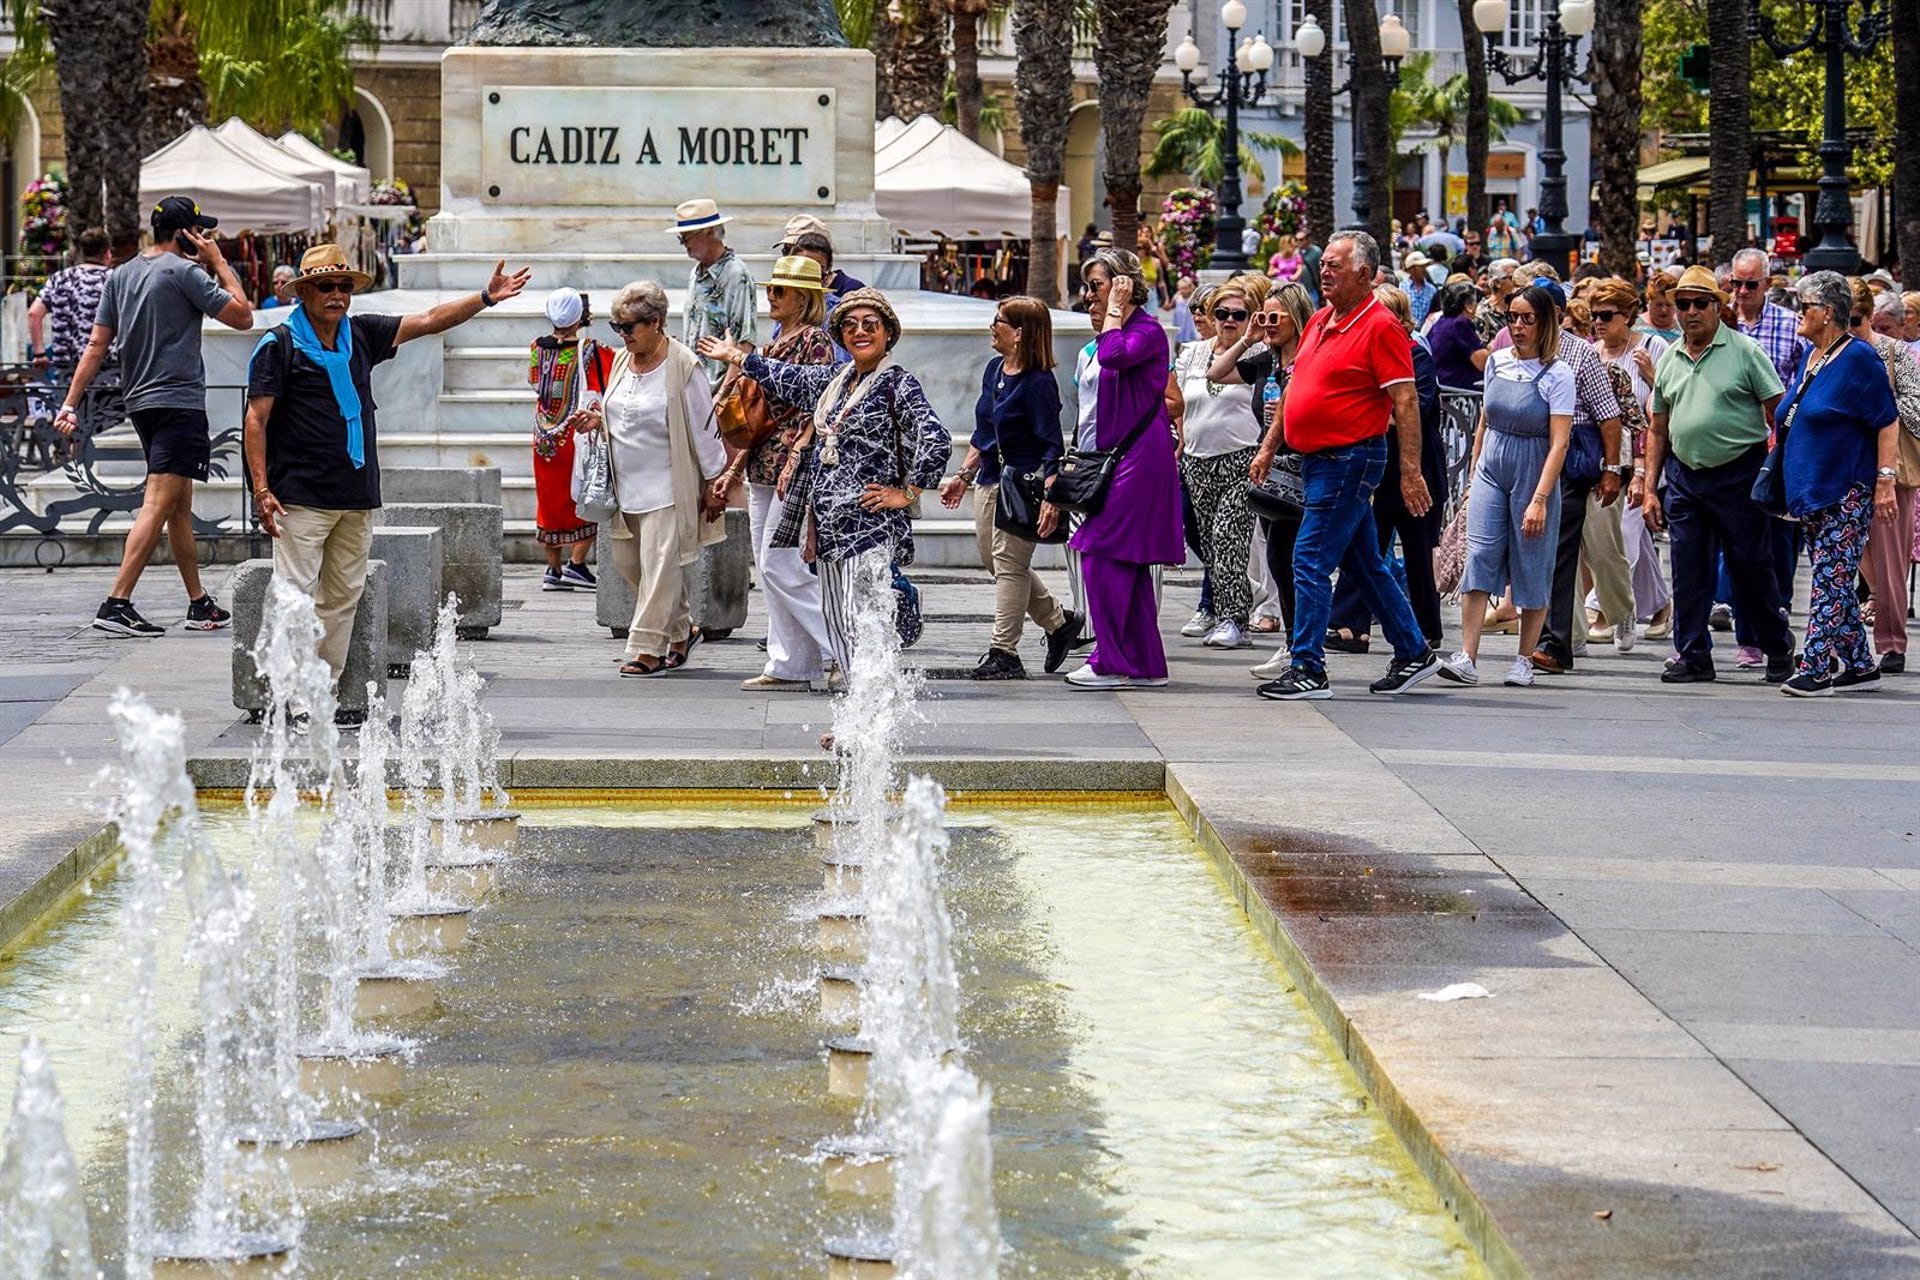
x=175, y=212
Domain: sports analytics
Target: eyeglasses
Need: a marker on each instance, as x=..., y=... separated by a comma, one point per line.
x=1604, y=317
x=1694, y=304
x=1229, y=315
x=1745, y=286
x=330, y=284
x=865, y=324
x=776, y=291
x=1271, y=317
x=999, y=320
x=1091, y=286
x=624, y=330
x=1522, y=318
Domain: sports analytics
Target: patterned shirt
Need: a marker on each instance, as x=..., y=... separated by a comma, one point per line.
x=72, y=298
x=1778, y=333
x=1420, y=297
x=798, y=344
x=891, y=436
x=1594, y=398
x=719, y=301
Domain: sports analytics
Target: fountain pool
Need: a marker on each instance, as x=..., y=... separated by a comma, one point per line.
x=625, y=1072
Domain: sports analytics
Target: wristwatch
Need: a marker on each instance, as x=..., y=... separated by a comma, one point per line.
x=1621, y=469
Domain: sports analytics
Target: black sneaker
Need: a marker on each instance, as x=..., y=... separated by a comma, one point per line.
x=1892, y=664
x=1779, y=668
x=579, y=576
x=1296, y=686
x=1001, y=665
x=347, y=720
x=1857, y=681
x=1402, y=676
x=204, y=615
x=1808, y=685
x=550, y=580
x=1061, y=639
x=1679, y=672
x=120, y=618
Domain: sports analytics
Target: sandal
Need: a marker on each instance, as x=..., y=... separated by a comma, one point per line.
x=677, y=658
x=1346, y=640
x=634, y=667
x=1265, y=625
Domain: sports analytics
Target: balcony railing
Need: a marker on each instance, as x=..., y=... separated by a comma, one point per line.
x=419, y=21
x=996, y=36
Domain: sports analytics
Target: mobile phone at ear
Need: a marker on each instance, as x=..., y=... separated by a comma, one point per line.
x=187, y=246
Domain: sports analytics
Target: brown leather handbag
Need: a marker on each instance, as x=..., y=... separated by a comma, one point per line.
x=742, y=412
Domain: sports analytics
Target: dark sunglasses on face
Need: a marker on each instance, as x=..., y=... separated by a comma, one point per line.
x=330, y=285
x=1229, y=315
x=1518, y=318
x=776, y=291
x=1744, y=285
x=624, y=330
x=1694, y=304
x=865, y=324
x=1604, y=317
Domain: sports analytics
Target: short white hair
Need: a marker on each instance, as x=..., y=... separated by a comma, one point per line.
x=284, y=271
x=1749, y=256
x=643, y=301
x=1890, y=304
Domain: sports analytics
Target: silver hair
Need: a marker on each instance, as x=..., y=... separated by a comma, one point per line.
x=1747, y=255
x=643, y=300
x=1363, y=244
x=1830, y=290
x=1890, y=304
x=1120, y=262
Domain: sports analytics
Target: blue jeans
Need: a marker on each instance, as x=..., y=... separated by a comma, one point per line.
x=1337, y=531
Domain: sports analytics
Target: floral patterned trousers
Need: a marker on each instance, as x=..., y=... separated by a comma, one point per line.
x=1836, y=539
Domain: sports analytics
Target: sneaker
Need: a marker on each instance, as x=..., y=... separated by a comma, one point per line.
x=1228, y=635
x=1520, y=674
x=579, y=576
x=1459, y=669
x=1149, y=682
x=552, y=580
x=1892, y=664
x=1778, y=669
x=1624, y=638
x=1402, y=676
x=1198, y=625
x=120, y=618
x=349, y=720
x=1866, y=681
x=1060, y=640
x=1720, y=617
x=774, y=684
x=1679, y=672
x=1273, y=668
x=1808, y=685
x=1088, y=678
x=204, y=615
x=998, y=664
x=1296, y=686
x=1748, y=656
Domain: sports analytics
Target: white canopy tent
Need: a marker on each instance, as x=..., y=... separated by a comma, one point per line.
x=352, y=184
x=268, y=154
x=928, y=179
x=240, y=190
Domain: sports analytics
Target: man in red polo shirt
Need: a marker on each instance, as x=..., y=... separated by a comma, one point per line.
x=1352, y=377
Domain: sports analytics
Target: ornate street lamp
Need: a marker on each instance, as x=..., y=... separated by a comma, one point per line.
x=1829, y=37
x=1241, y=85
x=1566, y=22
x=1395, y=43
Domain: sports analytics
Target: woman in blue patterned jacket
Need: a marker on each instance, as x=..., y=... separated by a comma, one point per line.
x=851, y=479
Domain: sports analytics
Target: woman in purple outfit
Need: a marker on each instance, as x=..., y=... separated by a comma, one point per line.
x=1139, y=526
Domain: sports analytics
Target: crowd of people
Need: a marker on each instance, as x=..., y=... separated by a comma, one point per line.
x=1295, y=443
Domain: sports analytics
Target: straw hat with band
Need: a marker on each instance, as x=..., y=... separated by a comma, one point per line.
x=1697, y=279
x=696, y=215
x=329, y=262
x=872, y=300
x=796, y=272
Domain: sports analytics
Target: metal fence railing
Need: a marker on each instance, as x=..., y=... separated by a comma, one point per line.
x=1459, y=415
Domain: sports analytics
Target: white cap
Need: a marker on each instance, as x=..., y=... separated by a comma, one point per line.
x=565, y=307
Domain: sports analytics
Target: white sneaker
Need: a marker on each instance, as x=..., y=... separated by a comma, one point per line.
x=1228, y=635
x=1624, y=638
x=1520, y=674
x=1198, y=625
x=1275, y=667
x=1459, y=669
x=1088, y=678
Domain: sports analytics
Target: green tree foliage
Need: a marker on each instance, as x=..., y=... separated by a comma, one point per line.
x=1419, y=103
x=1193, y=142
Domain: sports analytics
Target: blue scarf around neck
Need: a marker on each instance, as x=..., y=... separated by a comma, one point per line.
x=338, y=365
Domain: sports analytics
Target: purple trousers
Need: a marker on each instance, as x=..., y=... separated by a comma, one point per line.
x=1120, y=599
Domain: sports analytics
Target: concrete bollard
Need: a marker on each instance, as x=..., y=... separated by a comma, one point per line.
x=404, y=486
x=416, y=558
x=717, y=583
x=366, y=650
x=472, y=536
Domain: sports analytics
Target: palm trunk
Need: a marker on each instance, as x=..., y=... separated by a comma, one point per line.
x=1616, y=132
x=1126, y=54
x=1906, y=140
x=100, y=59
x=1730, y=127
x=884, y=41
x=176, y=96
x=1479, y=128
x=967, y=89
x=1043, y=88
x=1319, y=131
x=1373, y=94
x=920, y=61
x=1043, y=250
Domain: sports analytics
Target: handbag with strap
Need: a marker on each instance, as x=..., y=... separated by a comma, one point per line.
x=1283, y=495
x=594, y=495
x=1085, y=475
x=1016, y=505
x=742, y=413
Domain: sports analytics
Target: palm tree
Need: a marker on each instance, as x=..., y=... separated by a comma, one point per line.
x=1729, y=126
x=1372, y=101
x=1617, y=56
x=1126, y=53
x=1479, y=130
x=1043, y=85
x=1192, y=142
x=917, y=67
x=1906, y=143
x=965, y=16
x=1319, y=130
x=1446, y=108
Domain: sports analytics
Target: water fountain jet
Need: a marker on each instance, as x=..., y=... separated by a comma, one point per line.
x=43, y=1212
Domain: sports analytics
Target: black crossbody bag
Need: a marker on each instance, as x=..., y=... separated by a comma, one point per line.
x=1086, y=475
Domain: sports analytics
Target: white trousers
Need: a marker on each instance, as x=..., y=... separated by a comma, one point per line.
x=797, y=643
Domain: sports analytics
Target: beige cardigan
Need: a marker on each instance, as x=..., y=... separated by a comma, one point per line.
x=691, y=532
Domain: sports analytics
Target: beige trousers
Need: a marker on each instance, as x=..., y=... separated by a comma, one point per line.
x=1018, y=592
x=1889, y=552
x=650, y=563
x=1604, y=545
x=324, y=553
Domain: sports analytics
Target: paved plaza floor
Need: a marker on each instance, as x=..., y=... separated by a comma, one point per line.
x=1697, y=908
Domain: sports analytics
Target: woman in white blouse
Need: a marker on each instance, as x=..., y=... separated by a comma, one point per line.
x=658, y=413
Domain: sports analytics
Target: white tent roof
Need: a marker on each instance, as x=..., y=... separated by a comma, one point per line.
x=928, y=178
x=268, y=154
x=244, y=194
x=352, y=184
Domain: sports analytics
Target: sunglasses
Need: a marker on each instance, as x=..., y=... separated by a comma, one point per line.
x=1745, y=286
x=866, y=324
x=330, y=284
x=776, y=291
x=1604, y=317
x=1694, y=304
x=1271, y=317
x=1229, y=315
x=624, y=330
x=1521, y=318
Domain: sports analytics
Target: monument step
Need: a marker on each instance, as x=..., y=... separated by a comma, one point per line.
x=606, y=273
x=486, y=368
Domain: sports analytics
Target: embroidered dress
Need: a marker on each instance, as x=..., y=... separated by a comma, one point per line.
x=553, y=370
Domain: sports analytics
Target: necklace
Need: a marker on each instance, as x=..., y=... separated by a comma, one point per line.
x=1820, y=360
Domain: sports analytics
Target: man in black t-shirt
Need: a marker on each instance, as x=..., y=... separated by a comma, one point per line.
x=311, y=442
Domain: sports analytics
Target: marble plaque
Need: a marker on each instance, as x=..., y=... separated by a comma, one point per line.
x=551, y=145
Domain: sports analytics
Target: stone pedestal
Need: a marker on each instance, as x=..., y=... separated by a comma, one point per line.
x=417, y=556
x=405, y=485
x=366, y=651
x=717, y=583
x=472, y=535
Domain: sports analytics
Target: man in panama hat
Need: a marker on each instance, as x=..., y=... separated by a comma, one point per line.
x=311, y=443
x=720, y=294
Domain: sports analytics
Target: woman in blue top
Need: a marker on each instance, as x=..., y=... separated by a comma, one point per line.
x=1838, y=469
x=1016, y=425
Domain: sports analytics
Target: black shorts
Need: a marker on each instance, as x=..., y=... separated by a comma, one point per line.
x=177, y=442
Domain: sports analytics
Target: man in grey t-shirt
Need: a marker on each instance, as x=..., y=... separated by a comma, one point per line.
x=154, y=304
